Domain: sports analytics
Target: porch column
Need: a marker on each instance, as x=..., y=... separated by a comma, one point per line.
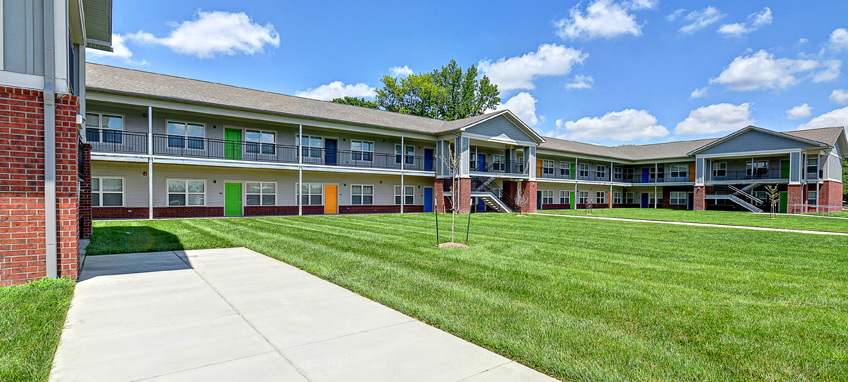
x=700, y=198
x=402, y=161
x=656, y=177
x=528, y=192
x=299, y=170
x=462, y=196
x=149, y=162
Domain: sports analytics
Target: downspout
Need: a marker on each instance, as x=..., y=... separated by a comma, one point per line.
x=49, y=96
x=150, y=163
x=299, y=170
x=402, y=161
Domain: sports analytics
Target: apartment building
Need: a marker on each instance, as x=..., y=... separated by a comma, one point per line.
x=43, y=195
x=165, y=146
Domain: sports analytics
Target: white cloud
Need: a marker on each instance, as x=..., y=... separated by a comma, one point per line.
x=522, y=105
x=625, y=125
x=676, y=14
x=802, y=41
x=581, y=82
x=839, y=39
x=830, y=72
x=839, y=96
x=754, y=22
x=338, y=89
x=698, y=93
x=213, y=33
x=602, y=18
x=797, y=112
x=716, y=118
x=518, y=72
x=698, y=20
x=400, y=71
x=762, y=71
x=120, y=51
x=838, y=117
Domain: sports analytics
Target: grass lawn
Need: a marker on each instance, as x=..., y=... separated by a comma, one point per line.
x=31, y=320
x=810, y=223
x=838, y=214
x=578, y=299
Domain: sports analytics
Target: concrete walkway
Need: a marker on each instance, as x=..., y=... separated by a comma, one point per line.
x=699, y=224
x=237, y=315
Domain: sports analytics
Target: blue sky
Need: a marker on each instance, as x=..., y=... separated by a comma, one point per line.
x=602, y=71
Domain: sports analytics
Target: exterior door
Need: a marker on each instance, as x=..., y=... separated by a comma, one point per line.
x=644, y=200
x=428, y=199
x=331, y=199
x=428, y=161
x=481, y=162
x=784, y=199
x=646, y=175
x=538, y=200
x=784, y=169
x=330, y=151
x=232, y=144
x=232, y=199
x=481, y=205
x=690, y=205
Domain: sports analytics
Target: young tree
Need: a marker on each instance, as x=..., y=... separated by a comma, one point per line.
x=357, y=101
x=519, y=201
x=453, y=163
x=774, y=198
x=590, y=202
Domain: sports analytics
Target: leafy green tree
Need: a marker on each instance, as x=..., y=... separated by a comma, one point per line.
x=357, y=101
x=446, y=93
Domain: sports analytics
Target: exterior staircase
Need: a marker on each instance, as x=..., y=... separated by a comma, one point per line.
x=733, y=194
x=491, y=201
x=487, y=191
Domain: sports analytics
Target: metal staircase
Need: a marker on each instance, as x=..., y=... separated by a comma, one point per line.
x=732, y=193
x=487, y=190
x=491, y=201
x=743, y=192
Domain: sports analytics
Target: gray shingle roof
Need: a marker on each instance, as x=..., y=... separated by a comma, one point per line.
x=665, y=150
x=826, y=135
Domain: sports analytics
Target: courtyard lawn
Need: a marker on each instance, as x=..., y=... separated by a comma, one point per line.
x=579, y=299
x=836, y=214
x=809, y=222
x=31, y=320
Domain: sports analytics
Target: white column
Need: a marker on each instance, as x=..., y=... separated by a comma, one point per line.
x=299, y=170
x=818, y=179
x=576, y=192
x=656, y=177
x=402, y=162
x=150, y=162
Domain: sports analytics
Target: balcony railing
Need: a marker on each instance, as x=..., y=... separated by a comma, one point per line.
x=116, y=141
x=746, y=175
x=500, y=168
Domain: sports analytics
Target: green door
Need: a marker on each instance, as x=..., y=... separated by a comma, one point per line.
x=573, y=175
x=783, y=201
x=232, y=199
x=232, y=146
x=784, y=169
x=573, y=201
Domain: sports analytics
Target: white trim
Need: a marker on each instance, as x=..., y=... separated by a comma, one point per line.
x=186, y=193
x=324, y=198
x=231, y=181
x=373, y=191
x=497, y=139
x=100, y=192
x=261, y=194
x=403, y=199
x=748, y=154
x=299, y=194
x=21, y=80
x=2, y=38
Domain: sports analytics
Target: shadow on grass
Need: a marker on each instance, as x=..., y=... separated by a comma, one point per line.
x=129, y=239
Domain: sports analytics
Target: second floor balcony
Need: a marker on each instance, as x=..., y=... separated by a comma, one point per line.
x=115, y=141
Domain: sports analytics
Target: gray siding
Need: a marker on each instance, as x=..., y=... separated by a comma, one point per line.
x=795, y=167
x=500, y=127
x=23, y=36
x=754, y=141
x=832, y=165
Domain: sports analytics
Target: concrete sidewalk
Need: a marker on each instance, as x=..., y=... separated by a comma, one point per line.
x=237, y=315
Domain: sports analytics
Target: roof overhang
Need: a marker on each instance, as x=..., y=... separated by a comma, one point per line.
x=96, y=16
x=762, y=130
x=515, y=121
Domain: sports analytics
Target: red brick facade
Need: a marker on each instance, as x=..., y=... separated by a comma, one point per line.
x=281, y=210
x=439, y=186
x=830, y=194
x=85, y=192
x=528, y=192
x=119, y=212
x=187, y=212
x=700, y=198
x=22, y=211
x=464, y=201
x=379, y=209
x=795, y=197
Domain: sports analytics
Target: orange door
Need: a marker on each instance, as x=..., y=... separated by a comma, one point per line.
x=691, y=172
x=539, y=168
x=331, y=199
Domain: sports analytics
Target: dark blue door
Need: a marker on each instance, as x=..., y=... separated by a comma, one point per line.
x=644, y=200
x=481, y=162
x=481, y=205
x=428, y=199
x=538, y=200
x=691, y=204
x=428, y=161
x=646, y=174
x=330, y=147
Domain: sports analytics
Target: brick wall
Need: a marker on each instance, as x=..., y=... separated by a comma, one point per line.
x=831, y=193
x=22, y=212
x=795, y=195
x=439, y=186
x=281, y=210
x=85, y=211
x=187, y=212
x=556, y=206
x=119, y=212
x=528, y=192
x=464, y=201
x=379, y=209
x=510, y=189
x=700, y=198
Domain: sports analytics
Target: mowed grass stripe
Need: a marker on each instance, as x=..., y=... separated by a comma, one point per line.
x=594, y=300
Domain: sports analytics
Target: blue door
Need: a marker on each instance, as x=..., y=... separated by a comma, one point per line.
x=538, y=200
x=644, y=200
x=481, y=162
x=481, y=205
x=428, y=199
x=428, y=161
x=646, y=174
x=330, y=146
x=691, y=204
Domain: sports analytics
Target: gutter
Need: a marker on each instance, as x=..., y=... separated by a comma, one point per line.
x=50, y=143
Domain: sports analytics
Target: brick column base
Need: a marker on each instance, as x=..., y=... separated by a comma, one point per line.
x=795, y=195
x=510, y=190
x=528, y=196
x=831, y=195
x=464, y=201
x=439, y=195
x=700, y=198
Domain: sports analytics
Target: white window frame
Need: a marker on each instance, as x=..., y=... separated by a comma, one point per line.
x=307, y=150
x=583, y=197
x=601, y=171
x=406, y=196
x=298, y=192
x=678, y=198
x=751, y=169
x=184, y=136
x=547, y=167
x=565, y=169
x=629, y=197
x=814, y=199
x=362, y=194
x=719, y=166
x=99, y=194
x=583, y=169
x=547, y=197
x=259, y=145
x=361, y=153
x=812, y=168
x=678, y=171
x=261, y=193
x=601, y=197
x=618, y=172
x=186, y=193
x=564, y=197
x=652, y=198
x=403, y=151
x=100, y=129
x=499, y=162
x=616, y=197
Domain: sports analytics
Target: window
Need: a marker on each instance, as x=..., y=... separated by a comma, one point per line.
x=362, y=150
x=107, y=192
x=616, y=197
x=105, y=128
x=547, y=197
x=186, y=135
x=812, y=167
x=628, y=173
x=408, y=195
x=601, y=171
x=617, y=171
x=361, y=194
x=564, y=197
x=311, y=146
x=762, y=195
x=260, y=142
x=499, y=162
x=564, y=170
x=408, y=154
x=548, y=168
x=312, y=194
x=812, y=197
x=760, y=168
x=186, y=192
x=601, y=197
x=584, y=197
x=720, y=169
x=652, y=198
x=584, y=169
x=260, y=193
x=677, y=198
x=679, y=171
x=629, y=198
